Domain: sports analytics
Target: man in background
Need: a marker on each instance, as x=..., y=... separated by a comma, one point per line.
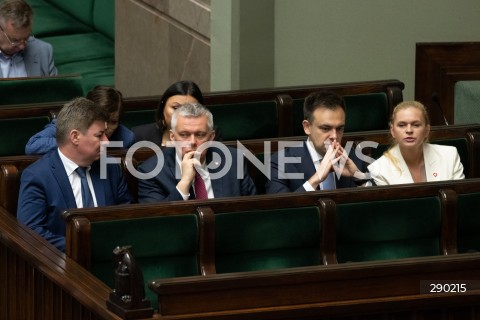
x=21, y=55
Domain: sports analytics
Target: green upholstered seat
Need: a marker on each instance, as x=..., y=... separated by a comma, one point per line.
x=165, y=246
x=16, y=132
x=71, y=48
x=49, y=20
x=94, y=72
x=392, y=229
x=267, y=239
x=364, y=112
x=41, y=89
x=138, y=117
x=254, y=120
x=468, y=232
x=81, y=10
x=82, y=34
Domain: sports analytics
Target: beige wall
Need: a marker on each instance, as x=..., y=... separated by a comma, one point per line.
x=329, y=41
x=265, y=43
x=158, y=42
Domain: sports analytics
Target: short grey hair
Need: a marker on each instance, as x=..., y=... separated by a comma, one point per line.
x=192, y=110
x=18, y=12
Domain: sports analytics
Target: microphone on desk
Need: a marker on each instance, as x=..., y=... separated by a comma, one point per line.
x=436, y=100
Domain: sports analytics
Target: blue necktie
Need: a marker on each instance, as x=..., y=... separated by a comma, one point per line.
x=329, y=182
x=87, y=198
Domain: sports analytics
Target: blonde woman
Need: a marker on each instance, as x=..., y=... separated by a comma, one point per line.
x=411, y=158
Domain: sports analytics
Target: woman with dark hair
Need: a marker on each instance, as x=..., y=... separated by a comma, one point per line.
x=105, y=97
x=177, y=94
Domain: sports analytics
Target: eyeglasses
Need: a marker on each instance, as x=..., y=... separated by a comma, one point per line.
x=17, y=42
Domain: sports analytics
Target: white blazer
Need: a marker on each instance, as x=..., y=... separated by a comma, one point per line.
x=441, y=163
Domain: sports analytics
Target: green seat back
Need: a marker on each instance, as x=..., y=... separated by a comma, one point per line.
x=364, y=112
x=80, y=9
x=468, y=232
x=104, y=17
x=50, y=20
x=38, y=90
x=393, y=229
x=267, y=239
x=165, y=246
x=252, y=120
x=14, y=133
x=135, y=118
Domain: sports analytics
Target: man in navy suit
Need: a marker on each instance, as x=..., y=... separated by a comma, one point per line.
x=53, y=183
x=21, y=55
x=319, y=162
x=195, y=158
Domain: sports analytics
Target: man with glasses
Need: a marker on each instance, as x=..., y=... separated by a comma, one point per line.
x=21, y=55
x=195, y=167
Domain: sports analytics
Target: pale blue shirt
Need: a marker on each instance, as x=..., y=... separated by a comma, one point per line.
x=13, y=66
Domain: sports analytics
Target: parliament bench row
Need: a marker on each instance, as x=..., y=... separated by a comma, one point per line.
x=39, y=282
x=242, y=114
x=466, y=138
x=244, y=234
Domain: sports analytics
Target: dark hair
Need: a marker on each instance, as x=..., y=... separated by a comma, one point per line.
x=107, y=98
x=183, y=88
x=321, y=99
x=78, y=114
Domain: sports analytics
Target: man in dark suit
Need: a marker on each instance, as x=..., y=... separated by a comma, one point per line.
x=55, y=183
x=21, y=55
x=319, y=162
x=196, y=163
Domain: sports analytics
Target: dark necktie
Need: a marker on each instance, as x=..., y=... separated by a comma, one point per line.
x=199, y=186
x=87, y=198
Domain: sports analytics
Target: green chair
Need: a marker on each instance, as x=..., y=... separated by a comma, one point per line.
x=267, y=239
x=468, y=232
x=388, y=229
x=15, y=133
x=40, y=89
x=163, y=246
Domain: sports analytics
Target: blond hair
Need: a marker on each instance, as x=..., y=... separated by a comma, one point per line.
x=402, y=106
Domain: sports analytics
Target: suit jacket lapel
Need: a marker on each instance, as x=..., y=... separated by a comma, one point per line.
x=60, y=175
x=98, y=184
x=306, y=164
x=31, y=60
x=431, y=166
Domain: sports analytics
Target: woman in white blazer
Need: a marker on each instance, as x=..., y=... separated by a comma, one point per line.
x=411, y=158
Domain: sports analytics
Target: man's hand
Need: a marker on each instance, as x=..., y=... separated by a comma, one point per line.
x=188, y=171
x=326, y=165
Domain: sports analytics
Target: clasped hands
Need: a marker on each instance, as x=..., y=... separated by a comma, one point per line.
x=336, y=160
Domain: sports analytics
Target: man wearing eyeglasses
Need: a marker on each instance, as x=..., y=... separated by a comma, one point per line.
x=21, y=55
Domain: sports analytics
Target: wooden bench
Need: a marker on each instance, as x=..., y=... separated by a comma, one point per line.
x=260, y=113
x=395, y=289
x=242, y=234
x=49, y=89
